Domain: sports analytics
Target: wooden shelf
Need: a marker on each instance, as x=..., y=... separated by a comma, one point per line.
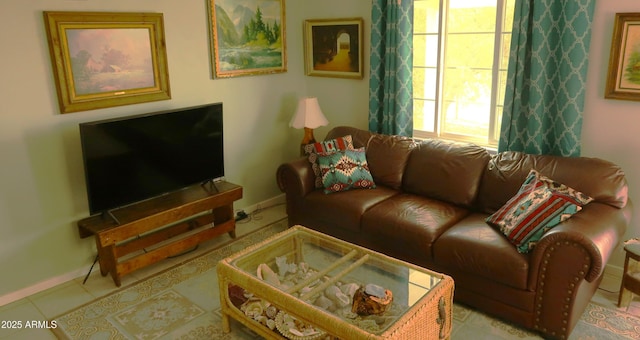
x=168, y=224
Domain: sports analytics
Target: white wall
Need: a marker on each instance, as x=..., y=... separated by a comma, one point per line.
x=609, y=128
x=42, y=191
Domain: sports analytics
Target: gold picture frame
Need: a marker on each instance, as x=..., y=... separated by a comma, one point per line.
x=104, y=59
x=623, y=78
x=250, y=41
x=334, y=48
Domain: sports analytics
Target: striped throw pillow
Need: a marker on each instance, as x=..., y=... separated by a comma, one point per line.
x=539, y=205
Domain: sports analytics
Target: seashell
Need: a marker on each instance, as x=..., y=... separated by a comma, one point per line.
x=261, y=319
x=252, y=309
x=284, y=267
x=331, y=291
x=265, y=273
x=271, y=312
x=295, y=332
x=323, y=302
x=271, y=324
x=349, y=289
x=337, y=296
x=303, y=266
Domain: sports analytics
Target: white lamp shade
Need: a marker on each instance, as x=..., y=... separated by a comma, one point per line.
x=308, y=114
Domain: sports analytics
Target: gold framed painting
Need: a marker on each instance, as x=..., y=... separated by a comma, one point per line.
x=623, y=78
x=103, y=59
x=247, y=37
x=333, y=48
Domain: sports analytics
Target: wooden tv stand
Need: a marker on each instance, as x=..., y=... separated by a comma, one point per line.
x=144, y=233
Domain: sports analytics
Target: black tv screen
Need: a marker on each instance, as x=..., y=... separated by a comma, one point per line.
x=131, y=159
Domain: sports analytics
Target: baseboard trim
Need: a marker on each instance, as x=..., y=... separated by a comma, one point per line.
x=58, y=280
x=41, y=286
x=280, y=199
x=614, y=271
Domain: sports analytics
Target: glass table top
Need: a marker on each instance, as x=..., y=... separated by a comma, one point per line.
x=327, y=272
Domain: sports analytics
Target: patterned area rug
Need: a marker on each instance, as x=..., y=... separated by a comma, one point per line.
x=183, y=303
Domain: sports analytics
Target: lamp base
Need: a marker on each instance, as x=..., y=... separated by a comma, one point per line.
x=307, y=139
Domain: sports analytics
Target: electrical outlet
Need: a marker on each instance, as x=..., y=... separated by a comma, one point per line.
x=241, y=215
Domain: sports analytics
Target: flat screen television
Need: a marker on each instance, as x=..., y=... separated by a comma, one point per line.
x=131, y=159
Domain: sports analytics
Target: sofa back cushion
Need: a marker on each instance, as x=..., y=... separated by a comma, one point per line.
x=360, y=137
x=448, y=171
x=387, y=156
x=600, y=179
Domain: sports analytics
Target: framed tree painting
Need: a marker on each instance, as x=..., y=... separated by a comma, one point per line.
x=623, y=78
x=247, y=37
x=333, y=48
x=103, y=59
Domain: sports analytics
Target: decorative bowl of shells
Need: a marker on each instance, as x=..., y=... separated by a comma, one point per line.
x=294, y=329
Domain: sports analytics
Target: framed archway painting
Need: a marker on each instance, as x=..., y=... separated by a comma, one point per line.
x=333, y=48
x=104, y=59
x=623, y=78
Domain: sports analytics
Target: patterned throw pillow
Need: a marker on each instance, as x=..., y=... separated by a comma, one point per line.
x=344, y=170
x=330, y=146
x=539, y=205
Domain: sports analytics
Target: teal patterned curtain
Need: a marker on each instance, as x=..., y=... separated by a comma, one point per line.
x=390, y=84
x=546, y=78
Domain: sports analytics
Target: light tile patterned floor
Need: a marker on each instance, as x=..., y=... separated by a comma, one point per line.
x=52, y=302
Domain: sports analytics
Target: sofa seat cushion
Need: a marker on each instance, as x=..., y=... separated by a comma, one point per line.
x=474, y=247
x=408, y=224
x=344, y=209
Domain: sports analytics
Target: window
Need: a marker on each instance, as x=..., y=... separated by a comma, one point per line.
x=461, y=53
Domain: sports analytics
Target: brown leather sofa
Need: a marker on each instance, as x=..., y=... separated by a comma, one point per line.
x=429, y=208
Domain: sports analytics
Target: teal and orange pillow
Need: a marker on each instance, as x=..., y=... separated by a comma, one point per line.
x=539, y=205
x=345, y=170
x=325, y=147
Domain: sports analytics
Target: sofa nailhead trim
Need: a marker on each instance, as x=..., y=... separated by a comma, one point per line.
x=569, y=291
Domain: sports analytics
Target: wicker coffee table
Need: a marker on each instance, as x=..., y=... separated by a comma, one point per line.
x=293, y=285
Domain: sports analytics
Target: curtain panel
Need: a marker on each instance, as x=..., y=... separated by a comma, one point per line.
x=391, y=67
x=548, y=62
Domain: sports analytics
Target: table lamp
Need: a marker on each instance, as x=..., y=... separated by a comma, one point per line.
x=308, y=116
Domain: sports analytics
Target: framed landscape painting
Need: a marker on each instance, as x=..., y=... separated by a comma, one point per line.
x=333, y=48
x=623, y=78
x=247, y=37
x=103, y=59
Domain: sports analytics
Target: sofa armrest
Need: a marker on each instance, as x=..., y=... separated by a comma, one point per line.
x=597, y=229
x=296, y=178
x=568, y=262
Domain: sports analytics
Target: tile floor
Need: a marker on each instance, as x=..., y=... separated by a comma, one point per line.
x=57, y=300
